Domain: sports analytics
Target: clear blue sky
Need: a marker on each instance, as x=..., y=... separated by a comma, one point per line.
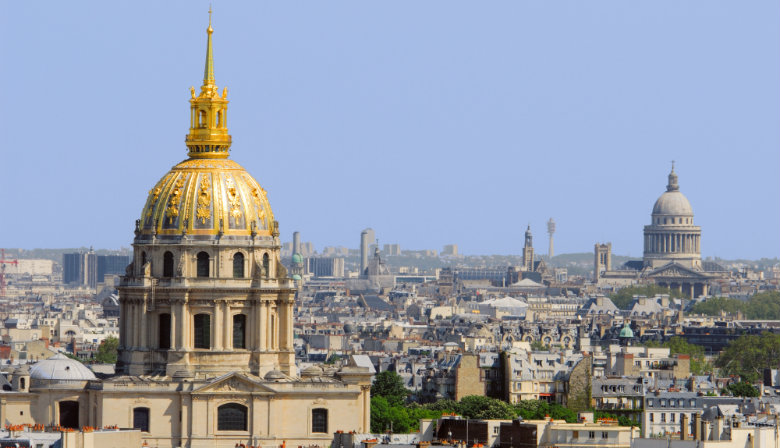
x=433, y=122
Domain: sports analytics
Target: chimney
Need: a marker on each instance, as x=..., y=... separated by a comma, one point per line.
x=717, y=428
x=697, y=426
x=684, y=428
x=705, y=430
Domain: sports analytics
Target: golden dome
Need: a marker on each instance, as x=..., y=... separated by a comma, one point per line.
x=207, y=197
x=207, y=194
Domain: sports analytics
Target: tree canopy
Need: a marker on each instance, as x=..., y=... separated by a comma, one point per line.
x=742, y=389
x=107, y=351
x=390, y=386
x=764, y=305
x=748, y=356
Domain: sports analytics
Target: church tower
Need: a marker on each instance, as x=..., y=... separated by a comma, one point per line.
x=528, y=251
x=206, y=293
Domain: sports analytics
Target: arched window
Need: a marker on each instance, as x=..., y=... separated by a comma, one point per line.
x=202, y=331
x=22, y=384
x=231, y=417
x=202, y=118
x=239, y=331
x=219, y=119
x=141, y=419
x=203, y=264
x=238, y=265
x=168, y=264
x=266, y=265
x=143, y=258
x=164, y=328
x=319, y=420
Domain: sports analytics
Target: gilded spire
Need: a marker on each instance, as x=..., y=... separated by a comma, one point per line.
x=208, y=72
x=208, y=136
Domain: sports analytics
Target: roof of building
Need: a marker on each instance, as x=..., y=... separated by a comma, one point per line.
x=673, y=202
x=59, y=367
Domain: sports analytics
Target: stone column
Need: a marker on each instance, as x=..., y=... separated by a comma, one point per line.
x=215, y=323
x=144, y=327
x=226, y=325
x=264, y=324
x=174, y=339
x=122, y=321
x=257, y=326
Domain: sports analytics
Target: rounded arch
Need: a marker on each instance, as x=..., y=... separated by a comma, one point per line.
x=266, y=265
x=203, y=264
x=238, y=264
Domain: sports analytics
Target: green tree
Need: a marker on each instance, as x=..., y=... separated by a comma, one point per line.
x=699, y=364
x=622, y=298
x=539, y=346
x=742, y=389
x=390, y=386
x=537, y=409
x=748, y=356
x=107, y=351
x=481, y=407
x=764, y=305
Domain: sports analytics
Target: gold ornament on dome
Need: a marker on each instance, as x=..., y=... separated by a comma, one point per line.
x=204, y=200
x=235, y=207
x=199, y=194
x=175, y=200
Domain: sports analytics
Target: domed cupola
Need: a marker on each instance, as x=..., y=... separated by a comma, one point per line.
x=206, y=293
x=207, y=194
x=671, y=234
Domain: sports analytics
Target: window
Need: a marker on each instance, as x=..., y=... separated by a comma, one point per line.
x=649, y=402
x=202, y=331
x=671, y=417
x=591, y=434
x=604, y=435
x=681, y=403
x=663, y=417
x=671, y=403
x=651, y=417
x=168, y=264
x=692, y=403
x=663, y=402
x=575, y=434
x=238, y=265
x=164, y=328
x=239, y=331
x=231, y=417
x=319, y=420
x=203, y=264
x=266, y=265
x=69, y=414
x=22, y=383
x=141, y=419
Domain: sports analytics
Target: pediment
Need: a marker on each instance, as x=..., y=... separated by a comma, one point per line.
x=230, y=384
x=676, y=270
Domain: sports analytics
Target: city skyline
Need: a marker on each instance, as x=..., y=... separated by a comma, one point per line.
x=462, y=130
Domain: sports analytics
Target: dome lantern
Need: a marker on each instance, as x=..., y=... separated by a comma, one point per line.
x=208, y=136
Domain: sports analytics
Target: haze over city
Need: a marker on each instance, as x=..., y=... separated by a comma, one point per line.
x=434, y=123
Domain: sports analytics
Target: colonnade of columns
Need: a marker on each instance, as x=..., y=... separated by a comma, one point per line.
x=269, y=325
x=662, y=243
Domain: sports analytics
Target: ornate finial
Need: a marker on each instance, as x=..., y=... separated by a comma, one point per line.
x=672, y=185
x=208, y=136
x=208, y=73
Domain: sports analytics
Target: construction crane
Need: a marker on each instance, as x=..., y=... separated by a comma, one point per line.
x=3, y=263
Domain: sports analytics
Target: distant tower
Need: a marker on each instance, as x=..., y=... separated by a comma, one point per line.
x=528, y=251
x=363, y=251
x=296, y=247
x=550, y=231
x=602, y=260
